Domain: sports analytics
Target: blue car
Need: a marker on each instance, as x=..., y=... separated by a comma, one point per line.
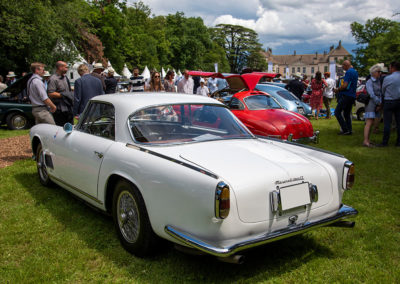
x=286, y=99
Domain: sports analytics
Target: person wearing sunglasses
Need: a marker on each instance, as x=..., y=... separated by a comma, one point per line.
x=155, y=83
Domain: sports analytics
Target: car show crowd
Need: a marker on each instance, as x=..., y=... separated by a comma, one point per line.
x=55, y=100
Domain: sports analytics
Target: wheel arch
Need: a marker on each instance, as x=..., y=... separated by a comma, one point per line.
x=110, y=185
x=35, y=143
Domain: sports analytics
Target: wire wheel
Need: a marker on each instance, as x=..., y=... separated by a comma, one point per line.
x=128, y=216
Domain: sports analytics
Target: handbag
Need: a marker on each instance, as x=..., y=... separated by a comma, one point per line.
x=363, y=98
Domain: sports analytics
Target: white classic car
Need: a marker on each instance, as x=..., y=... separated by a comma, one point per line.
x=184, y=168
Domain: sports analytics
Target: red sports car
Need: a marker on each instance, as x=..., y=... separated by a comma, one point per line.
x=263, y=115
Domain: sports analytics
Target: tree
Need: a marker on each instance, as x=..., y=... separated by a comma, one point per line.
x=378, y=41
x=241, y=46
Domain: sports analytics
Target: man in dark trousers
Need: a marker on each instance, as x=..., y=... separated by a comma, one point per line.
x=391, y=103
x=85, y=88
x=346, y=94
x=296, y=86
x=59, y=91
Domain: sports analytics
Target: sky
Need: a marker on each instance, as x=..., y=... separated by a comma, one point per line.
x=286, y=25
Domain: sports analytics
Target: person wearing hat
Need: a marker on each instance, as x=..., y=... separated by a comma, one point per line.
x=46, y=78
x=296, y=86
x=202, y=90
x=11, y=78
x=111, y=82
x=97, y=70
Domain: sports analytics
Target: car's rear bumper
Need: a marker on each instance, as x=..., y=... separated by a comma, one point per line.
x=225, y=251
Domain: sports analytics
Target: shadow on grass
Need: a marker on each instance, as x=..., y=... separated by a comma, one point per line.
x=97, y=231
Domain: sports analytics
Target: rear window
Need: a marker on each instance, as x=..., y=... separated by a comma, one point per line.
x=260, y=102
x=172, y=124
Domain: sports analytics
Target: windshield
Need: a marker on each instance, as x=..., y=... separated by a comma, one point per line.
x=279, y=91
x=260, y=102
x=185, y=123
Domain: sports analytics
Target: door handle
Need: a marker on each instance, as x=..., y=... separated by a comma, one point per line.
x=100, y=155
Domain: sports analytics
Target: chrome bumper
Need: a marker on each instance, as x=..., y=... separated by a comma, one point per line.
x=313, y=139
x=217, y=250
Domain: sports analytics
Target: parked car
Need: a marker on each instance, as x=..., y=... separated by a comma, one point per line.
x=183, y=168
x=285, y=98
x=16, y=111
x=263, y=115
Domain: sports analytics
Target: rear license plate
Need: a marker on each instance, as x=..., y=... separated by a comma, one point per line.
x=294, y=196
x=301, y=110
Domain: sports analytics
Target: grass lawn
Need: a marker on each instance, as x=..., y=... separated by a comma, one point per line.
x=5, y=133
x=46, y=235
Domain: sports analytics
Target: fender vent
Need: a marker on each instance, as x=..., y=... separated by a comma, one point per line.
x=48, y=161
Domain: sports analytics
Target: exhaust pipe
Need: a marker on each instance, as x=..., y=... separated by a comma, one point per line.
x=343, y=224
x=235, y=259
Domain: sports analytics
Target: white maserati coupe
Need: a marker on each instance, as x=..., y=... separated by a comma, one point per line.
x=184, y=168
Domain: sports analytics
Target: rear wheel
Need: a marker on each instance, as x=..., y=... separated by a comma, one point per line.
x=132, y=221
x=17, y=121
x=41, y=167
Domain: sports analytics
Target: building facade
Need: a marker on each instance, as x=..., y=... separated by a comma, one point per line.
x=307, y=64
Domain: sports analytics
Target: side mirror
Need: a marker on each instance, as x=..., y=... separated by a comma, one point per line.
x=68, y=127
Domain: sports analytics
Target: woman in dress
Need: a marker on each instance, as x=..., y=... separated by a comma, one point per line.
x=317, y=88
x=169, y=83
x=373, y=86
x=155, y=83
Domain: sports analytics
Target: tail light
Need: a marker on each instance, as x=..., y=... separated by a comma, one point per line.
x=348, y=175
x=222, y=200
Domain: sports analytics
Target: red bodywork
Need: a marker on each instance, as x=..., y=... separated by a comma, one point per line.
x=277, y=123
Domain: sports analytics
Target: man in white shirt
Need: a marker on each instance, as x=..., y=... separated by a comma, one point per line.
x=328, y=93
x=202, y=90
x=186, y=84
x=213, y=84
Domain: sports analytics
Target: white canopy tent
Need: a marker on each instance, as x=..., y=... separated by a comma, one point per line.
x=163, y=73
x=146, y=73
x=126, y=73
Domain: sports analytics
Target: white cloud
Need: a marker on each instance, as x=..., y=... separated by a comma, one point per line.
x=317, y=22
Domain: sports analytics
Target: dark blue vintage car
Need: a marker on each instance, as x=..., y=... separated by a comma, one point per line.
x=15, y=109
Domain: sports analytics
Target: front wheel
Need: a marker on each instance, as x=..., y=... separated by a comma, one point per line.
x=360, y=114
x=132, y=221
x=41, y=167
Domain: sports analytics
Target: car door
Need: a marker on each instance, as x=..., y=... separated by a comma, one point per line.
x=85, y=147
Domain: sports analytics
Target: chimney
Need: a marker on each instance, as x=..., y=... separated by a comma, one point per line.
x=331, y=48
x=340, y=43
x=316, y=54
x=294, y=53
x=270, y=50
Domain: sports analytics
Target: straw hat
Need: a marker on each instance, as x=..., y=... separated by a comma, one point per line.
x=11, y=74
x=297, y=75
x=46, y=74
x=111, y=70
x=98, y=66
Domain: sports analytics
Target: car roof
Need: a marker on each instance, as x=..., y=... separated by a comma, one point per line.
x=135, y=101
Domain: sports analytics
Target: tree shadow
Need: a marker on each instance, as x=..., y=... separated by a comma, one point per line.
x=170, y=265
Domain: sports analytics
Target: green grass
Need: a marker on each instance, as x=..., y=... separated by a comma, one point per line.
x=5, y=133
x=46, y=235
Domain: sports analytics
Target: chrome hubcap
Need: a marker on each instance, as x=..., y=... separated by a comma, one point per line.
x=128, y=216
x=19, y=122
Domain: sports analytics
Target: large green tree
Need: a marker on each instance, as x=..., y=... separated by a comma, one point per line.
x=241, y=45
x=378, y=40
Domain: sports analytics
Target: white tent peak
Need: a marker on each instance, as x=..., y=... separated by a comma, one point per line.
x=146, y=73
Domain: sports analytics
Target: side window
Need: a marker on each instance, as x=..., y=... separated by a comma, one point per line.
x=236, y=104
x=99, y=120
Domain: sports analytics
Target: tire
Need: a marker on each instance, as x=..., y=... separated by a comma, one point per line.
x=360, y=114
x=17, y=121
x=131, y=220
x=41, y=167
